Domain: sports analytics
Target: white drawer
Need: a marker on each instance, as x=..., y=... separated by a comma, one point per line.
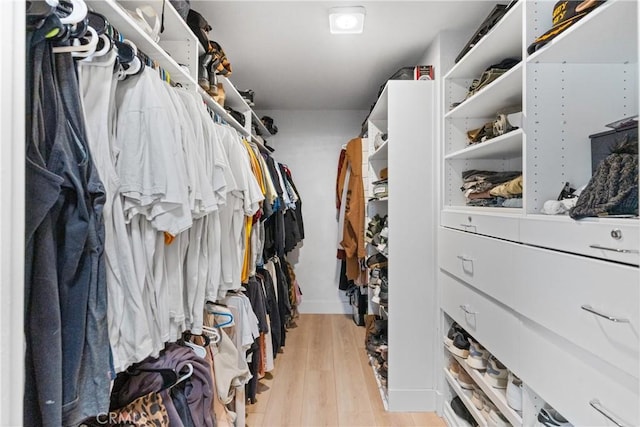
x=486, y=320
x=568, y=379
x=606, y=238
x=485, y=263
x=552, y=287
x=490, y=223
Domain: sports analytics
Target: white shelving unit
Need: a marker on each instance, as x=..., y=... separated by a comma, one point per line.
x=551, y=148
x=405, y=111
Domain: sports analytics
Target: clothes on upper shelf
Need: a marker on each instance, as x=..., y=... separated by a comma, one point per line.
x=492, y=188
x=141, y=207
x=353, y=227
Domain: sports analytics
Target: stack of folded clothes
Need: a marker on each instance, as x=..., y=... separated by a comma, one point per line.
x=491, y=188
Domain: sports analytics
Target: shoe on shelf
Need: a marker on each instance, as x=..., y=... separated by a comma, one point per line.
x=478, y=355
x=247, y=95
x=497, y=419
x=514, y=392
x=487, y=408
x=551, y=418
x=478, y=397
x=465, y=380
x=448, y=340
x=454, y=367
x=460, y=345
x=384, y=292
x=461, y=411
x=496, y=374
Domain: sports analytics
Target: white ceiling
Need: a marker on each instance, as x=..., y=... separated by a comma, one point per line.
x=284, y=52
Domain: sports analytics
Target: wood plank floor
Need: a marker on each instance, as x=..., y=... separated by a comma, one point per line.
x=323, y=378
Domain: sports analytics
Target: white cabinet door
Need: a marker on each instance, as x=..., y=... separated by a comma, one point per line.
x=569, y=379
x=560, y=292
x=610, y=239
x=483, y=262
x=497, y=224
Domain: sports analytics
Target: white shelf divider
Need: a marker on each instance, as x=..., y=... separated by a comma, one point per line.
x=475, y=413
x=121, y=20
x=498, y=44
x=504, y=92
x=610, y=46
x=505, y=146
x=381, y=153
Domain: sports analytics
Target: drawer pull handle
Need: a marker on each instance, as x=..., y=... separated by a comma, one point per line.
x=464, y=258
x=465, y=308
x=595, y=404
x=621, y=251
x=590, y=309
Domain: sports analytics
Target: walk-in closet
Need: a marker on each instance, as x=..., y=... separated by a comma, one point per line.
x=319, y=213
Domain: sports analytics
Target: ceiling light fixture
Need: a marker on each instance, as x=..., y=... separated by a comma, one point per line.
x=346, y=20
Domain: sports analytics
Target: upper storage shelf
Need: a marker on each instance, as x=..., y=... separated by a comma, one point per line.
x=505, y=146
x=497, y=45
x=600, y=37
x=175, y=29
x=123, y=22
x=503, y=92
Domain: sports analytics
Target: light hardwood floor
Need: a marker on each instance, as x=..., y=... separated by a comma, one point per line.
x=323, y=378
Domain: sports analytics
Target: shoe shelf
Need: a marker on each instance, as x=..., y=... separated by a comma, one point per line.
x=219, y=110
x=234, y=100
x=505, y=146
x=505, y=91
x=381, y=387
x=381, y=153
x=129, y=29
x=384, y=311
x=581, y=44
x=475, y=412
x=382, y=200
x=496, y=395
x=503, y=41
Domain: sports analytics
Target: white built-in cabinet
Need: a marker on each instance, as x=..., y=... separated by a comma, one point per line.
x=554, y=299
x=406, y=112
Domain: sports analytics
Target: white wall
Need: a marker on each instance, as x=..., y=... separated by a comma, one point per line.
x=12, y=70
x=309, y=142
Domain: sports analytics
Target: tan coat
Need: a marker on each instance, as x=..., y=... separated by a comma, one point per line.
x=353, y=236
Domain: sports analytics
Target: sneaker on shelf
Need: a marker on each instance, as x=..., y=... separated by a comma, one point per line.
x=497, y=419
x=496, y=374
x=465, y=380
x=454, y=367
x=551, y=418
x=460, y=345
x=478, y=355
x=478, y=397
x=247, y=95
x=487, y=408
x=384, y=292
x=514, y=392
x=448, y=340
x=461, y=411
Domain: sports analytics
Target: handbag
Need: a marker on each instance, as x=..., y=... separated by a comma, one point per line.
x=489, y=22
